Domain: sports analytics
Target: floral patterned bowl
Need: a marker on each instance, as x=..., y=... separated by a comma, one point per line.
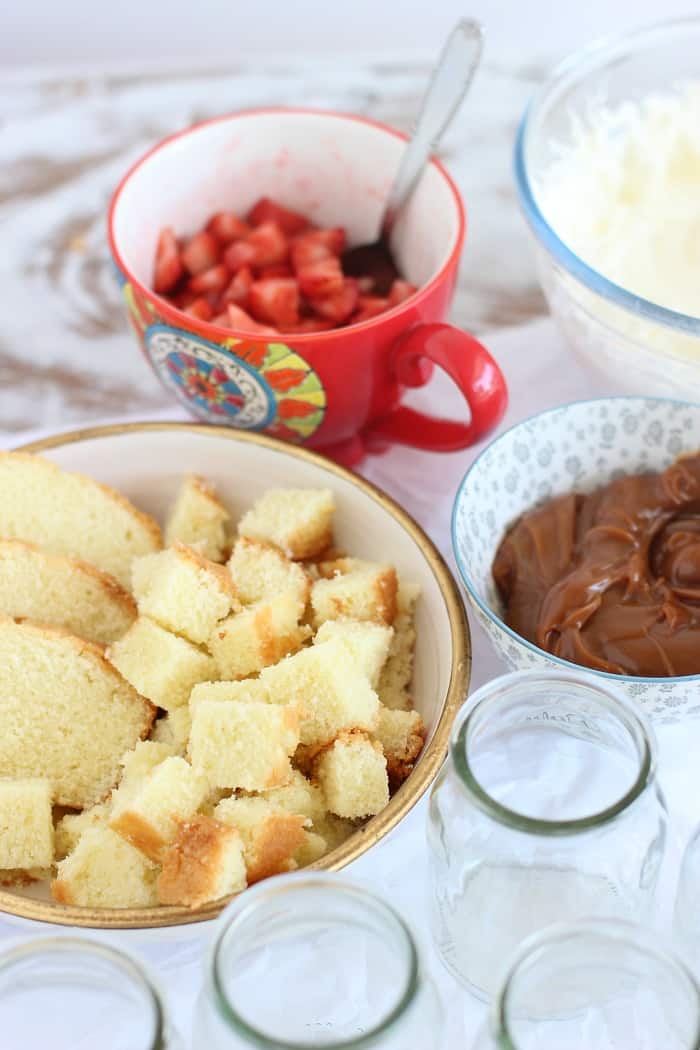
x=578, y=446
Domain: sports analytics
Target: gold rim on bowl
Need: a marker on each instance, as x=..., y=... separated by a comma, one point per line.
x=408, y=794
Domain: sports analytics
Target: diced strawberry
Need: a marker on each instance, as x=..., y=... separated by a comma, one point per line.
x=267, y=210
x=316, y=245
x=238, y=255
x=182, y=299
x=168, y=267
x=221, y=320
x=322, y=278
x=275, y=270
x=243, y=322
x=200, y=253
x=200, y=308
x=365, y=285
x=275, y=300
x=227, y=227
x=340, y=305
x=369, y=306
x=270, y=244
x=333, y=237
x=212, y=280
x=310, y=324
x=401, y=290
x=304, y=253
x=237, y=291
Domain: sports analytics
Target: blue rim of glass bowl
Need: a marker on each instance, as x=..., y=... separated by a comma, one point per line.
x=587, y=60
x=486, y=609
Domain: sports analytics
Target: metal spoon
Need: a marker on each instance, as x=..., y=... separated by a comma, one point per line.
x=448, y=85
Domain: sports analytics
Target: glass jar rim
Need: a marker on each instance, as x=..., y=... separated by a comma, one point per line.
x=129, y=966
x=272, y=889
x=620, y=931
x=636, y=725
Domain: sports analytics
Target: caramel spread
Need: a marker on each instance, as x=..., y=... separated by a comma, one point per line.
x=611, y=580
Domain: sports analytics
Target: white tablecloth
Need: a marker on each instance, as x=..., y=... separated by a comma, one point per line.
x=541, y=372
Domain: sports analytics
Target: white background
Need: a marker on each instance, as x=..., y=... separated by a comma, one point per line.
x=228, y=32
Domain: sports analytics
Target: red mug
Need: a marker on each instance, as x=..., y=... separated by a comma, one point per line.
x=336, y=391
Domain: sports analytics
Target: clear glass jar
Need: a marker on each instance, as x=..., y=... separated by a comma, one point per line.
x=547, y=810
x=686, y=915
x=61, y=993
x=603, y=983
x=310, y=961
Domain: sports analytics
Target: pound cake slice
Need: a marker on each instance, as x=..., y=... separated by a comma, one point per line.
x=26, y=827
x=72, y=514
x=64, y=592
x=66, y=715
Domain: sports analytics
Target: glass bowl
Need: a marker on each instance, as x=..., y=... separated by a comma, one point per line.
x=637, y=345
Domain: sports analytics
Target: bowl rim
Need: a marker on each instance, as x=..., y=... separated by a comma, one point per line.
x=574, y=67
x=414, y=786
x=216, y=332
x=485, y=608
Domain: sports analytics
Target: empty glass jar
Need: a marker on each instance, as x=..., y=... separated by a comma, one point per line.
x=311, y=961
x=603, y=983
x=65, y=993
x=686, y=918
x=547, y=810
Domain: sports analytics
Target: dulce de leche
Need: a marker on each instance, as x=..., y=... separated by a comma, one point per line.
x=611, y=580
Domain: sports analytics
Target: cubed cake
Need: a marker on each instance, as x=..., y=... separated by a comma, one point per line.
x=148, y=817
x=367, y=643
x=161, y=665
x=329, y=689
x=395, y=681
x=299, y=796
x=183, y=592
x=298, y=521
x=199, y=519
x=71, y=827
x=203, y=863
x=26, y=824
x=312, y=849
x=357, y=590
x=352, y=774
x=245, y=691
x=174, y=729
x=104, y=871
x=262, y=634
x=243, y=745
x=271, y=836
x=260, y=572
x=402, y=735
x=140, y=761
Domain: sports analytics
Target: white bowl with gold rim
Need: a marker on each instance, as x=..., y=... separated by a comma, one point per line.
x=146, y=462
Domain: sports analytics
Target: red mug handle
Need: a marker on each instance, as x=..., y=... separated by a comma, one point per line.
x=471, y=367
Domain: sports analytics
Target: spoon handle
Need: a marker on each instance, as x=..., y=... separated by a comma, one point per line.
x=448, y=85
